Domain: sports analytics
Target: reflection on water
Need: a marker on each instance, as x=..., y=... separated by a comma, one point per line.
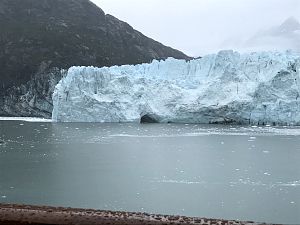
x=231, y=172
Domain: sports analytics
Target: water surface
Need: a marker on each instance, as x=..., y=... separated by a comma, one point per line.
x=230, y=172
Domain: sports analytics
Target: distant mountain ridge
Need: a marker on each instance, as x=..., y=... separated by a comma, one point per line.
x=289, y=25
x=40, y=37
x=282, y=37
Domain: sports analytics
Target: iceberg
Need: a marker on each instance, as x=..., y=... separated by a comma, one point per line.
x=227, y=87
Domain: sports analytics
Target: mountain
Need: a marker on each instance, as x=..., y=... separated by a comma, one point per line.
x=228, y=87
x=290, y=25
x=38, y=38
x=285, y=36
x=282, y=37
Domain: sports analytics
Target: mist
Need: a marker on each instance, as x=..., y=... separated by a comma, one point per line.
x=199, y=27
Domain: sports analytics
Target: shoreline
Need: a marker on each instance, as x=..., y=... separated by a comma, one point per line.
x=25, y=119
x=13, y=214
x=44, y=120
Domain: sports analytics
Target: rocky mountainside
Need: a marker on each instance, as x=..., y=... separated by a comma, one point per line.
x=38, y=38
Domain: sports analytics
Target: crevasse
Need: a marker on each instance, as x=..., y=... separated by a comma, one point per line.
x=228, y=87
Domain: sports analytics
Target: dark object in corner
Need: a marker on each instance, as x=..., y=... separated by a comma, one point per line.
x=148, y=118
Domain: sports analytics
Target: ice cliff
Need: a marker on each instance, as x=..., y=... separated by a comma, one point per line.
x=228, y=87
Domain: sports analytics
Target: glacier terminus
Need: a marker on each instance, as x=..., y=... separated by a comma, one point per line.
x=226, y=88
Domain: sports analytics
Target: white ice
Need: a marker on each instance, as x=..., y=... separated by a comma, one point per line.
x=228, y=87
x=26, y=119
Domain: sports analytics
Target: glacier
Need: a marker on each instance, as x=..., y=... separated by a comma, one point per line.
x=223, y=88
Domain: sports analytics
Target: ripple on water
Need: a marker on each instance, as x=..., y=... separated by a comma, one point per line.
x=240, y=181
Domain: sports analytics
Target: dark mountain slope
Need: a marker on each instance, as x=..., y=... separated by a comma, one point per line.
x=39, y=35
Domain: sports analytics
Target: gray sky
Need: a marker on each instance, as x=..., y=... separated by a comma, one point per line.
x=198, y=27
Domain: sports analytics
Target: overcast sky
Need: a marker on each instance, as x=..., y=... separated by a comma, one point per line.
x=198, y=27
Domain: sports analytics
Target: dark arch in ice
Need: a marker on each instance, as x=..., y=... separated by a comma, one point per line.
x=148, y=118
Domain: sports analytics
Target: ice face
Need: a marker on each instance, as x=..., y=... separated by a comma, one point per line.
x=228, y=87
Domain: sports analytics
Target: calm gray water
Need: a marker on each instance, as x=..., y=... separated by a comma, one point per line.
x=247, y=173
